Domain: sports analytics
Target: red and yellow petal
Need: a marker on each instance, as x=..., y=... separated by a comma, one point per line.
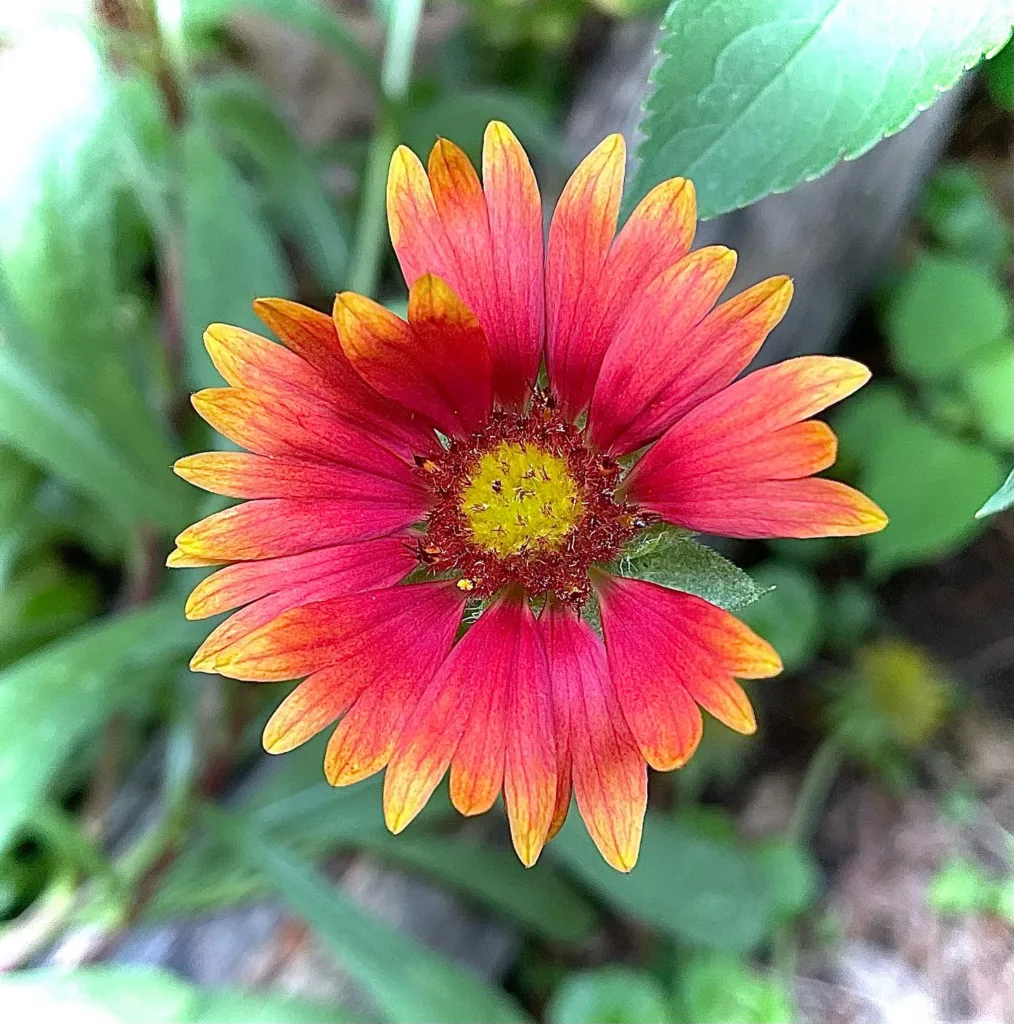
x=366, y=565
x=650, y=344
x=311, y=707
x=669, y=651
x=295, y=426
x=609, y=774
x=691, y=367
x=485, y=243
x=437, y=363
x=502, y=651
x=515, y=223
x=366, y=635
x=274, y=527
x=733, y=465
x=313, y=365
x=244, y=475
x=580, y=235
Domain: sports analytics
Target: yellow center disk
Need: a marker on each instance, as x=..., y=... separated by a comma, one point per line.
x=520, y=497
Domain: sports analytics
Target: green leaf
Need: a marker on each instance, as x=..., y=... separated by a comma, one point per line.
x=60, y=694
x=988, y=384
x=536, y=899
x=753, y=98
x=999, y=74
x=408, y=982
x=928, y=482
x=297, y=202
x=232, y=257
x=694, y=888
x=609, y=995
x=715, y=988
x=314, y=17
x=1001, y=500
x=788, y=616
x=945, y=312
x=962, y=217
x=50, y=430
x=791, y=875
x=672, y=558
x=127, y=993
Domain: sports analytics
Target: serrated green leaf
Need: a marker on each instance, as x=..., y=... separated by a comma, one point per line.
x=51, y=699
x=999, y=74
x=536, y=899
x=788, y=616
x=672, y=558
x=945, y=312
x=609, y=995
x=1001, y=500
x=693, y=888
x=408, y=982
x=249, y=125
x=232, y=256
x=126, y=994
x=753, y=98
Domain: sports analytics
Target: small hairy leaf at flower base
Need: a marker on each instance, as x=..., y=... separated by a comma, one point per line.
x=752, y=98
x=945, y=312
x=1002, y=499
x=125, y=993
x=789, y=615
x=609, y=995
x=671, y=557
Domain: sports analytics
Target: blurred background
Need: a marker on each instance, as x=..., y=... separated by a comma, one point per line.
x=164, y=164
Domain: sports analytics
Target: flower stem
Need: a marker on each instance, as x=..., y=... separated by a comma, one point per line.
x=395, y=76
x=813, y=793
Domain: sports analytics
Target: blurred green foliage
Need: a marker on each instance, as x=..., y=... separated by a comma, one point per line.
x=154, y=185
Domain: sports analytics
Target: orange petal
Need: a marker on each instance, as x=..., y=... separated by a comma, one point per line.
x=242, y=475
x=183, y=560
x=442, y=369
x=273, y=527
x=366, y=635
x=610, y=777
x=662, y=643
x=314, y=337
x=294, y=426
x=580, y=235
x=529, y=786
x=310, y=708
x=365, y=565
x=811, y=507
x=650, y=343
x=515, y=222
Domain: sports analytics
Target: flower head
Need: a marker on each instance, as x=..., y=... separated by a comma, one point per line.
x=400, y=473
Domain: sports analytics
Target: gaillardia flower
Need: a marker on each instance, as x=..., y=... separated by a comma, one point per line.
x=428, y=516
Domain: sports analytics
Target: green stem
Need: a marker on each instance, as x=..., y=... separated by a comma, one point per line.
x=395, y=76
x=59, y=830
x=813, y=793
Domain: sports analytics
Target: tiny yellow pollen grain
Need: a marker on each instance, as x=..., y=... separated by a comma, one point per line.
x=520, y=498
